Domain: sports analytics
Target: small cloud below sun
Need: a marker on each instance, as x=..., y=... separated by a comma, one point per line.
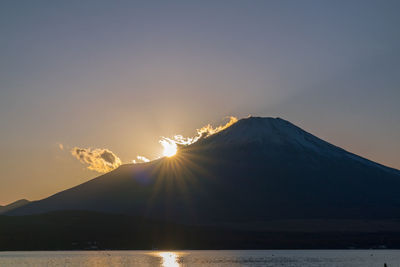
x=140, y=159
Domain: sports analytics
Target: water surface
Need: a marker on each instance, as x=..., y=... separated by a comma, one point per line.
x=283, y=258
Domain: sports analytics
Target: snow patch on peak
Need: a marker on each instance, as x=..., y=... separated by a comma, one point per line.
x=277, y=132
x=269, y=130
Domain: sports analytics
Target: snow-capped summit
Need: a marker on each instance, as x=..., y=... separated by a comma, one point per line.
x=277, y=135
x=268, y=131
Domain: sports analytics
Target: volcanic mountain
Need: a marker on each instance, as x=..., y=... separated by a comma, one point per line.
x=256, y=170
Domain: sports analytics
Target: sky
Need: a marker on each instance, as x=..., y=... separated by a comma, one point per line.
x=118, y=75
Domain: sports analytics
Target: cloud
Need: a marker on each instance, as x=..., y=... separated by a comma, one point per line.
x=99, y=159
x=61, y=146
x=103, y=160
x=209, y=130
x=204, y=132
x=140, y=159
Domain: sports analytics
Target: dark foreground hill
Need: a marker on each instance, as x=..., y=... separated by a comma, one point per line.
x=77, y=230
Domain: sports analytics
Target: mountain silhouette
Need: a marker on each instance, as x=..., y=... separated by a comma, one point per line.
x=256, y=170
x=13, y=205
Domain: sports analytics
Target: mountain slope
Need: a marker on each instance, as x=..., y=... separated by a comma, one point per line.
x=14, y=205
x=256, y=170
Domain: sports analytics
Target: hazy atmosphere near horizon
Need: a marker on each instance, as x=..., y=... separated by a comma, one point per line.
x=120, y=75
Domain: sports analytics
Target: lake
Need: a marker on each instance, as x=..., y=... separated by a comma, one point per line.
x=283, y=258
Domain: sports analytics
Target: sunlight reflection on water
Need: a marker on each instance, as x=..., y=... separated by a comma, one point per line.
x=169, y=259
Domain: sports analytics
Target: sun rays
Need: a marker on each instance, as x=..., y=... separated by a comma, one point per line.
x=176, y=175
x=175, y=180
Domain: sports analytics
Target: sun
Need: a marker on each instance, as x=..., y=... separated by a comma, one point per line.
x=170, y=147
